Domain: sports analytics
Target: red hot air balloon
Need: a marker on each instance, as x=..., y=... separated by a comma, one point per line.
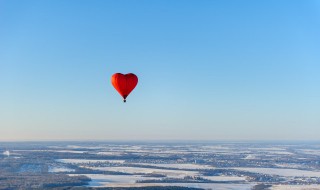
x=124, y=84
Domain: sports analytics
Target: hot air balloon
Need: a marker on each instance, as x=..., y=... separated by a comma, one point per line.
x=124, y=84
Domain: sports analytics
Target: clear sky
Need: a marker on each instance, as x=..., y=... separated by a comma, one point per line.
x=208, y=70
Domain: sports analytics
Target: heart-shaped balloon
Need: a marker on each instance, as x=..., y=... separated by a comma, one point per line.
x=124, y=84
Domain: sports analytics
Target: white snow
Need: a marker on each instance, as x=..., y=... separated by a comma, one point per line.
x=6, y=153
x=249, y=157
x=180, y=166
x=109, y=153
x=295, y=187
x=310, y=151
x=289, y=165
x=281, y=172
x=224, y=178
x=135, y=170
x=60, y=169
x=279, y=152
x=99, y=180
x=83, y=161
x=268, y=149
x=86, y=147
x=69, y=151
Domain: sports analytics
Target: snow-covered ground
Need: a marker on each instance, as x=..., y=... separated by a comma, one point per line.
x=180, y=166
x=250, y=157
x=137, y=170
x=215, y=186
x=60, y=169
x=310, y=151
x=83, y=161
x=63, y=151
x=86, y=147
x=267, y=149
x=295, y=187
x=99, y=180
x=6, y=153
x=281, y=172
x=289, y=165
x=69, y=151
x=110, y=153
x=224, y=178
x=279, y=153
x=196, y=158
x=210, y=186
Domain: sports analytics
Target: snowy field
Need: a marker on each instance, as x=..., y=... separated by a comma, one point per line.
x=310, y=151
x=218, y=166
x=282, y=172
x=295, y=187
x=180, y=166
x=138, y=170
x=85, y=161
x=225, y=178
x=99, y=180
x=60, y=169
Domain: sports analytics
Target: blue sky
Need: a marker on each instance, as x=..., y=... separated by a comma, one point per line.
x=208, y=70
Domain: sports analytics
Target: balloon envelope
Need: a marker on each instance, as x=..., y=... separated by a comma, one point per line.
x=124, y=84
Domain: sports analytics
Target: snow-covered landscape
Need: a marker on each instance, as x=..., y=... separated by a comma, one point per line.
x=216, y=165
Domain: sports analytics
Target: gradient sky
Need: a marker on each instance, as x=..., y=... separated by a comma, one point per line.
x=208, y=70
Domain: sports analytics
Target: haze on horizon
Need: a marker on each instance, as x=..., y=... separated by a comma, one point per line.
x=208, y=70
